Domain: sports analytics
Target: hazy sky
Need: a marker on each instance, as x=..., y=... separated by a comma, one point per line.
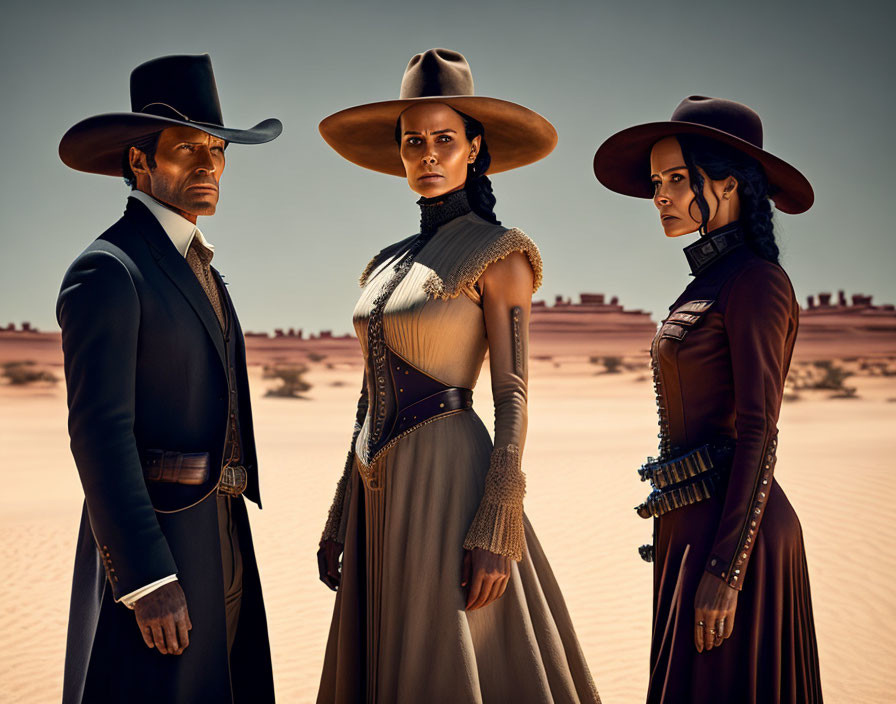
x=297, y=224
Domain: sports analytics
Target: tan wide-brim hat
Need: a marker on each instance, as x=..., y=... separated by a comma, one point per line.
x=365, y=134
x=622, y=162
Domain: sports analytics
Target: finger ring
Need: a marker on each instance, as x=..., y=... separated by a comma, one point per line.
x=701, y=624
x=711, y=632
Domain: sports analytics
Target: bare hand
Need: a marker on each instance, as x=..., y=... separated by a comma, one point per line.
x=714, y=607
x=487, y=574
x=328, y=563
x=163, y=619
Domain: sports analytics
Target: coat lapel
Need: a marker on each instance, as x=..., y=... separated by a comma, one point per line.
x=176, y=268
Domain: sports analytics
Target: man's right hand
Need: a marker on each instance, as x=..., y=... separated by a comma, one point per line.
x=163, y=619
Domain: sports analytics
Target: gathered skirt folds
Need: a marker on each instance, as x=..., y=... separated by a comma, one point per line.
x=772, y=654
x=400, y=632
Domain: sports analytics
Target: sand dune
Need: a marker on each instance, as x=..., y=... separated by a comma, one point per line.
x=588, y=433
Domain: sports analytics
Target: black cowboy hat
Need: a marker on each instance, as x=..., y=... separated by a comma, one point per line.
x=622, y=162
x=365, y=134
x=165, y=92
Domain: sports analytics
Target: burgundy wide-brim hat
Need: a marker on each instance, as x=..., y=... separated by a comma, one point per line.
x=166, y=92
x=365, y=134
x=622, y=162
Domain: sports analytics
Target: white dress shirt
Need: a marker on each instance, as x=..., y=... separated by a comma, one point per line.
x=181, y=231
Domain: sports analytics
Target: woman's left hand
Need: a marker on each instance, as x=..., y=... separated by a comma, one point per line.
x=714, y=607
x=487, y=575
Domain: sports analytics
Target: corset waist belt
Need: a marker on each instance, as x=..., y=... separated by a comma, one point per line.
x=417, y=399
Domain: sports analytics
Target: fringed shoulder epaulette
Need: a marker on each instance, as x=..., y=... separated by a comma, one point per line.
x=383, y=256
x=460, y=256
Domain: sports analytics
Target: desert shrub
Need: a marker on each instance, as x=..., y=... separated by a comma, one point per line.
x=292, y=381
x=316, y=356
x=790, y=389
x=878, y=368
x=822, y=375
x=612, y=365
x=26, y=372
x=832, y=376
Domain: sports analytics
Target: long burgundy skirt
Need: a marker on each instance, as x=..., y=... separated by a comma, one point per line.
x=772, y=654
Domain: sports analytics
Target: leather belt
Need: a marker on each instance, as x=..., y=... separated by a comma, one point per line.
x=190, y=468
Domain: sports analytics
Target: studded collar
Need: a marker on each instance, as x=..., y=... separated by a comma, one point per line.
x=711, y=247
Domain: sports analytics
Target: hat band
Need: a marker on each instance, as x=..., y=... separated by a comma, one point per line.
x=172, y=113
x=177, y=113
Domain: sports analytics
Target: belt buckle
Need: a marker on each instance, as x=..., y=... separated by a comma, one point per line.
x=233, y=482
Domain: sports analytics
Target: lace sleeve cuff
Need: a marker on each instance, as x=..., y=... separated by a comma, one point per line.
x=498, y=524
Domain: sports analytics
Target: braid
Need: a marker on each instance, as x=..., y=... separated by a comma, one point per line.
x=478, y=186
x=720, y=161
x=758, y=212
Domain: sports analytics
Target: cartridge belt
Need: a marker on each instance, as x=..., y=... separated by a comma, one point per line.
x=678, y=470
x=687, y=479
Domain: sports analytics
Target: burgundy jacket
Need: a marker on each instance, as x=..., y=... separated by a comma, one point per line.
x=722, y=356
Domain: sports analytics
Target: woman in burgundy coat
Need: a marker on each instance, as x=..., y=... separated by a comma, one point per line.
x=732, y=609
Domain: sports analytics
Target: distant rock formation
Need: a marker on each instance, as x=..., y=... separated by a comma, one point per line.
x=861, y=304
x=26, y=327
x=591, y=315
x=594, y=326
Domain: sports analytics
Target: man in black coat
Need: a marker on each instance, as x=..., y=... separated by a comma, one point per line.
x=166, y=600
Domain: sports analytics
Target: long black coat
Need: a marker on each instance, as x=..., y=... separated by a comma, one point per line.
x=146, y=364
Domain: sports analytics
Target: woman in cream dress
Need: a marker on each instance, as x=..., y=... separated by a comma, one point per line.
x=444, y=594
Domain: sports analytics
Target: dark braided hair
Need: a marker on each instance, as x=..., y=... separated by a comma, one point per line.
x=719, y=161
x=478, y=186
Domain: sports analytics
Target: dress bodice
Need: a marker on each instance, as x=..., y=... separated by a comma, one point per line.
x=444, y=337
x=432, y=317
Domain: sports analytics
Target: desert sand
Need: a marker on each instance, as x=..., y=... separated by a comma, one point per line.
x=588, y=432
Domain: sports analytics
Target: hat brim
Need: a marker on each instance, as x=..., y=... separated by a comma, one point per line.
x=365, y=134
x=96, y=144
x=622, y=163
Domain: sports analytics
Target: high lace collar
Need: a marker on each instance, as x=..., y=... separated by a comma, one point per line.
x=435, y=212
x=712, y=246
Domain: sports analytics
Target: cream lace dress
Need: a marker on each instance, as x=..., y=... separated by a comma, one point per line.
x=400, y=632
